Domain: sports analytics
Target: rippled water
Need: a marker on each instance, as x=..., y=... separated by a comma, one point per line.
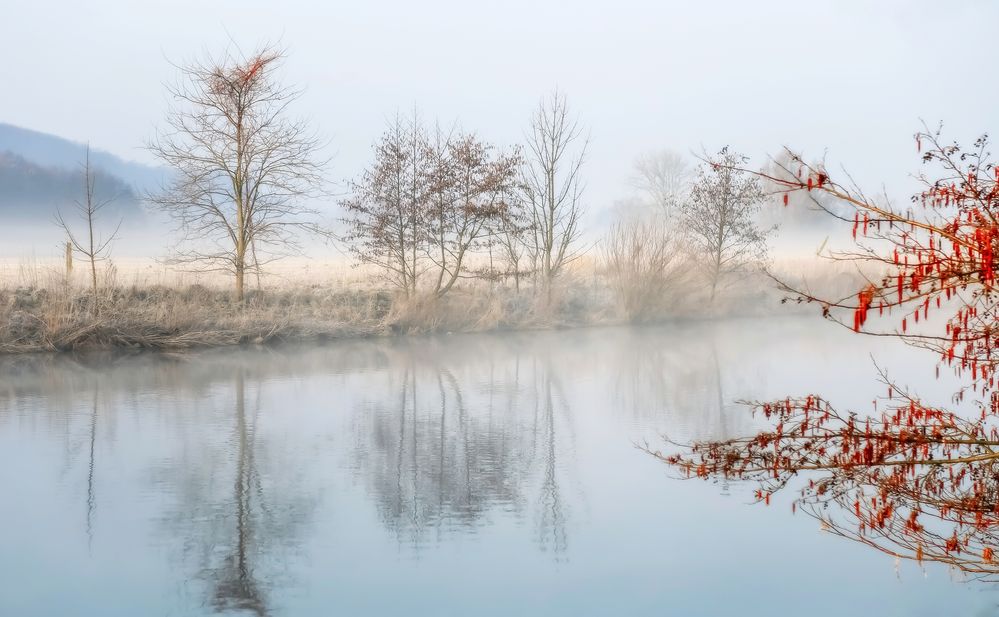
x=464, y=475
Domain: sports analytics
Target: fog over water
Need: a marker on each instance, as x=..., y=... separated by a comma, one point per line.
x=485, y=474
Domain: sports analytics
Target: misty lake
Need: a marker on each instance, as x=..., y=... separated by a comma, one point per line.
x=454, y=475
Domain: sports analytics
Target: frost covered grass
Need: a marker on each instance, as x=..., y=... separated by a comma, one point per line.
x=145, y=305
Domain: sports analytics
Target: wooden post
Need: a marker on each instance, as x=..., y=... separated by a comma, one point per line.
x=69, y=261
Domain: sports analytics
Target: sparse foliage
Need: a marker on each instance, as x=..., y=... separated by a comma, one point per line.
x=720, y=216
x=427, y=203
x=243, y=169
x=383, y=215
x=471, y=182
x=508, y=237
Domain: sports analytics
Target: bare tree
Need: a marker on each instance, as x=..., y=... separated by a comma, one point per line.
x=664, y=177
x=242, y=167
x=90, y=244
x=645, y=261
x=553, y=187
x=383, y=212
x=720, y=217
x=426, y=203
x=508, y=237
x=471, y=181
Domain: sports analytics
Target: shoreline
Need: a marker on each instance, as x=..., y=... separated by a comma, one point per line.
x=60, y=318
x=295, y=335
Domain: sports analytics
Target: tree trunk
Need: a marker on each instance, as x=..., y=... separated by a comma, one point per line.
x=93, y=281
x=453, y=275
x=240, y=272
x=715, y=275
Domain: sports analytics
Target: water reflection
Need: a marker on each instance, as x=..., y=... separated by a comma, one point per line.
x=305, y=481
x=445, y=454
x=91, y=497
x=240, y=510
x=683, y=382
x=448, y=435
x=235, y=585
x=551, y=513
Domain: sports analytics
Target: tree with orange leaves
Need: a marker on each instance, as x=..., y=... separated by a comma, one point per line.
x=243, y=170
x=911, y=479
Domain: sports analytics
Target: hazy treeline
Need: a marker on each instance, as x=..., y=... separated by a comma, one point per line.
x=439, y=211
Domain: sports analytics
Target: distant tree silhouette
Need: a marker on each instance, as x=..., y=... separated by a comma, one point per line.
x=719, y=217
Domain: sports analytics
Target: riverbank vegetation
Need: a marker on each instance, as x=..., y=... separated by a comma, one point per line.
x=41, y=311
x=448, y=231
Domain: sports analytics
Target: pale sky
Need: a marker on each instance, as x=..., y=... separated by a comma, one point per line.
x=849, y=77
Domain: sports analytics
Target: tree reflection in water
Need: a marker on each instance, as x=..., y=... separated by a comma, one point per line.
x=551, y=511
x=235, y=585
x=679, y=378
x=91, y=496
x=445, y=438
x=240, y=523
x=435, y=466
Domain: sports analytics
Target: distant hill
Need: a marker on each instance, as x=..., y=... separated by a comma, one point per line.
x=41, y=173
x=32, y=193
x=52, y=151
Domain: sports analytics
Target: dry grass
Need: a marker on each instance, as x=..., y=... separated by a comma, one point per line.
x=144, y=305
x=58, y=319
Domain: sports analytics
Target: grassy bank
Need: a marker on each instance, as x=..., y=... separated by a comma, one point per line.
x=47, y=313
x=65, y=319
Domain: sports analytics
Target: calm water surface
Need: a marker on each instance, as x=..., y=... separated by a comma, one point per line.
x=463, y=475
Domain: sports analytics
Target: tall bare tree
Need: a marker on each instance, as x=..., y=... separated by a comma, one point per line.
x=720, y=217
x=89, y=244
x=664, y=177
x=243, y=169
x=553, y=187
